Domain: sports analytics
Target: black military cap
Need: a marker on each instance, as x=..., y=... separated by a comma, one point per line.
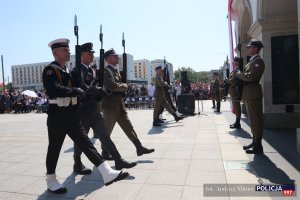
x=158, y=68
x=216, y=74
x=87, y=47
x=255, y=43
x=236, y=59
x=109, y=52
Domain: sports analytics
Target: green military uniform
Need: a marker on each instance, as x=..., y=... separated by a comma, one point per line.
x=216, y=92
x=160, y=97
x=233, y=92
x=252, y=97
x=252, y=93
x=113, y=106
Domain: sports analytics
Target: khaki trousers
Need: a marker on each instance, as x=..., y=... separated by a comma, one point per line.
x=255, y=115
x=121, y=117
x=237, y=108
x=161, y=101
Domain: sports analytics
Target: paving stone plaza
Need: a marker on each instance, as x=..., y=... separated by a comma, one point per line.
x=198, y=150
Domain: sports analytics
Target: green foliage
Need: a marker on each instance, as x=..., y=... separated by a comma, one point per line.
x=193, y=76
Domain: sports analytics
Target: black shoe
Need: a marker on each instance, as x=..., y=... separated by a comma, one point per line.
x=213, y=107
x=81, y=169
x=161, y=121
x=156, y=124
x=59, y=191
x=235, y=125
x=121, y=176
x=249, y=146
x=257, y=149
x=143, y=150
x=120, y=164
x=217, y=111
x=106, y=156
x=177, y=118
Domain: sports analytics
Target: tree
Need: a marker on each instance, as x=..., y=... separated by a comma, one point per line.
x=193, y=76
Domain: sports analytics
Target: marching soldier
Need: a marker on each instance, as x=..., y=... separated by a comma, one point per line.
x=232, y=90
x=63, y=118
x=216, y=93
x=113, y=106
x=252, y=95
x=160, y=98
x=90, y=112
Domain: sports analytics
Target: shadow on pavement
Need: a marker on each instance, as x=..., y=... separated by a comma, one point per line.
x=264, y=168
x=284, y=141
x=144, y=161
x=240, y=133
x=156, y=130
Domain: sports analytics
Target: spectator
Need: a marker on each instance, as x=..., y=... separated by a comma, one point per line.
x=151, y=90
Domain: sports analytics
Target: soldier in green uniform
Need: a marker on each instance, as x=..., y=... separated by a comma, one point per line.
x=233, y=91
x=113, y=106
x=212, y=95
x=252, y=95
x=160, y=97
x=216, y=92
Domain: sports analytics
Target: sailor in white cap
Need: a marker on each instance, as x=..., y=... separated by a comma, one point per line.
x=63, y=118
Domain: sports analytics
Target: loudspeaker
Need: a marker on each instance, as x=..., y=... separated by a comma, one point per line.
x=184, y=78
x=186, y=104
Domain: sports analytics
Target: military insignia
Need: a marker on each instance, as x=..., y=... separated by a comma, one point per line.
x=256, y=65
x=49, y=72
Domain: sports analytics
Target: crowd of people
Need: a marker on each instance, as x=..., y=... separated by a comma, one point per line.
x=14, y=101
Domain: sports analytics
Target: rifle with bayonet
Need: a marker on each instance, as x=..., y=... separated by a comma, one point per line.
x=240, y=82
x=167, y=79
x=226, y=85
x=100, y=71
x=166, y=72
x=76, y=72
x=124, y=72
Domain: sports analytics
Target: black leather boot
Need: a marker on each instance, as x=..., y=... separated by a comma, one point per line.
x=106, y=155
x=257, y=147
x=249, y=145
x=140, y=149
x=214, y=104
x=80, y=168
x=161, y=121
x=156, y=122
x=121, y=163
x=177, y=118
x=218, y=107
x=236, y=124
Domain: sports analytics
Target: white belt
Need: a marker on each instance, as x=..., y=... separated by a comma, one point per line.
x=64, y=102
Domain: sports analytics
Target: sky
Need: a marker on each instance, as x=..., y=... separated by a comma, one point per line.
x=190, y=33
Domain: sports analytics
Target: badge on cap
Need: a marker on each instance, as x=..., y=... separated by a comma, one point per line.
x=256, y=65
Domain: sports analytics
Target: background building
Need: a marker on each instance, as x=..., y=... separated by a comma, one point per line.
x=277, y=24
x=28, y=76
x=141, y=70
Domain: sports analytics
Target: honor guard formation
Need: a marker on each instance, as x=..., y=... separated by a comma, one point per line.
x=90, y=97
